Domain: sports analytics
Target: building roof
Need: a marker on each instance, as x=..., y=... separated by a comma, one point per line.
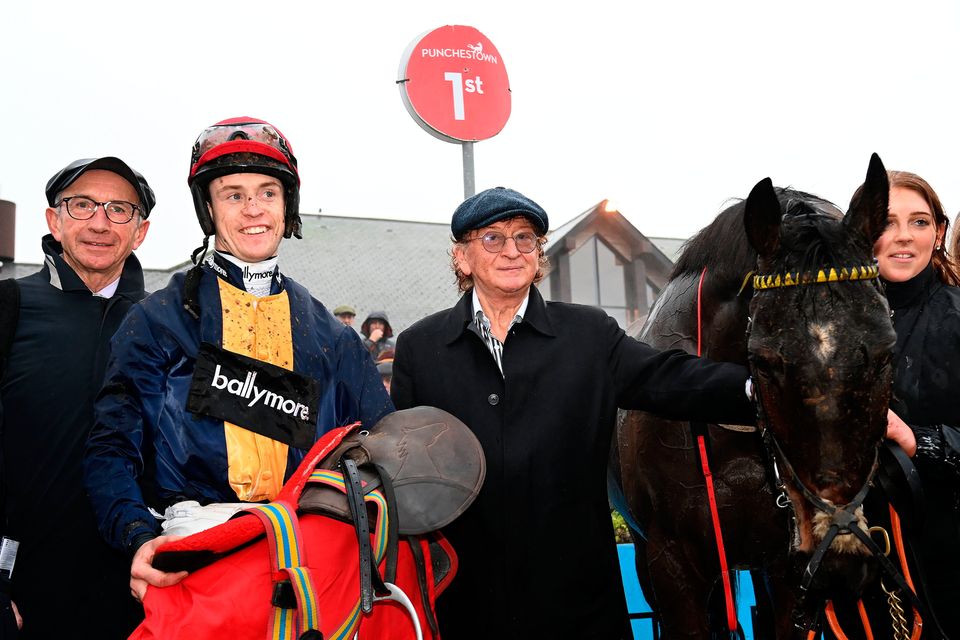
x=627, y=239
x=153, y=278
x=396, y=266
x=671, y=247
x=16, y=269
x=400, y=267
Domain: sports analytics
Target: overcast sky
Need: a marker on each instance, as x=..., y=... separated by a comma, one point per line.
x=667, y=108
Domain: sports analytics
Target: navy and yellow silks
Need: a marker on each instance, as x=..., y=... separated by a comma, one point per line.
x=258, y=328
x=148, y=381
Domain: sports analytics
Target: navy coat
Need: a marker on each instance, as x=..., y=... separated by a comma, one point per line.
x=536, y=549
x=57, y=362
x=146, y=449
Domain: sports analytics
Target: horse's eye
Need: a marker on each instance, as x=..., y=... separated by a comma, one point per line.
x=878, y=360
x=766, y=362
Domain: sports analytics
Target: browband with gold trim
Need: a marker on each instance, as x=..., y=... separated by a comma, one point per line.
x=774, y=281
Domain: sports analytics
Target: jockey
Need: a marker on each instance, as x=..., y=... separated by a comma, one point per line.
x=221, y=381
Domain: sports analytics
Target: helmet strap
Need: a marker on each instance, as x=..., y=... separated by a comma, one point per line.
x=201, y=251
x=191, y=282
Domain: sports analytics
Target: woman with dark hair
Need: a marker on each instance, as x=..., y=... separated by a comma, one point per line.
x=920, y=278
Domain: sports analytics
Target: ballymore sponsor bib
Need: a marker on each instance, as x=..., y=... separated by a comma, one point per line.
x=255, y=395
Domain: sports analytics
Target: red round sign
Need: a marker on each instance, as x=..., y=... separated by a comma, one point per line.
x=454, y=84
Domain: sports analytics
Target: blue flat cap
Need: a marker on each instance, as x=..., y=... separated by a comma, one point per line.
x=493, y=205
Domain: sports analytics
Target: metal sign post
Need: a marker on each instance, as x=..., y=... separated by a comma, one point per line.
x=469, y=181
x=454, y=84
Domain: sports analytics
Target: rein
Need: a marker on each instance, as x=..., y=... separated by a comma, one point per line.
x=732, y=622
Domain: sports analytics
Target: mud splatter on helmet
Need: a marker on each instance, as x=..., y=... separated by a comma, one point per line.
x=244, y=145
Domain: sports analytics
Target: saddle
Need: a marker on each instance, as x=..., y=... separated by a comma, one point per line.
x=349, y=546
x=433, y=461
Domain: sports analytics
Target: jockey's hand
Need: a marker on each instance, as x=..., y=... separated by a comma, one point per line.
x=142, y=572
x=901, y=433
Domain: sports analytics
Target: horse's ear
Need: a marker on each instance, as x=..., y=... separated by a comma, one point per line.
x=761, y=218
x=870, y=205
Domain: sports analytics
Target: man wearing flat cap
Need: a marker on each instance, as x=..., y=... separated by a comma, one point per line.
x=57, y=324
x=345, y=314
x=540, y=383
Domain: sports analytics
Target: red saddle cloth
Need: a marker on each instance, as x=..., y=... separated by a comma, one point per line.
x=274, y=573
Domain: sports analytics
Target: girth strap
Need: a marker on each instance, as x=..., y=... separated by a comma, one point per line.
x=376, y=552
x=421, y=567
x=392, y=540
x=287, y=557
x=370, y=579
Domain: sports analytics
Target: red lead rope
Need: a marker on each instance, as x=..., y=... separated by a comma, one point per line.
x=711, y=493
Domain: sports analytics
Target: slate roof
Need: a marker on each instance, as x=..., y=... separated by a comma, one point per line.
x=17, y=270
x=671, y=247
x=400, y=267
x=396, y=266
x=153, y=278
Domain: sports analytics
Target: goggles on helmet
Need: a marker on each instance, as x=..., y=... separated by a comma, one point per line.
x=244, y=145
x=242, y=135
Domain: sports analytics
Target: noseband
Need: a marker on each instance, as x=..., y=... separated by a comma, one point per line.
x=843, y=519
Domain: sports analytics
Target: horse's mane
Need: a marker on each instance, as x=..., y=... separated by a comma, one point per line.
x=722, y=246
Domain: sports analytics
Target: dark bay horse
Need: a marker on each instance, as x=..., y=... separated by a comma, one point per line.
x=818, y=343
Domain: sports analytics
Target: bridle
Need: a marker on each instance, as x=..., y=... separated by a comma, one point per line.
x=843, y=518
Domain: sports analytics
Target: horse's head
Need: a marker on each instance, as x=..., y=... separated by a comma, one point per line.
x=820, y=345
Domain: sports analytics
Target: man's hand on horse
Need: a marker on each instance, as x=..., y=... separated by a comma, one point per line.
x=901, y=433
x=142, y=572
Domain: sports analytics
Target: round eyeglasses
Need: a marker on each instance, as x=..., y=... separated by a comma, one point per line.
x=493, y=241
x=84, y=208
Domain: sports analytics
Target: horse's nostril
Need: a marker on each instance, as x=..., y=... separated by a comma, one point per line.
x=827, y=479
x=830, y=486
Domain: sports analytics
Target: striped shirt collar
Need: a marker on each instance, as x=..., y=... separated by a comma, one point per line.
x=484, y=320
x=481, y=326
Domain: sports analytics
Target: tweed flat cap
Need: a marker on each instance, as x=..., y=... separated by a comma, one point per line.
x=493, y=205
x=344, y=308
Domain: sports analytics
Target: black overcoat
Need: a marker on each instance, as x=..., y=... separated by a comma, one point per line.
x=536, y=549
x=926, y=316
x=66, y=580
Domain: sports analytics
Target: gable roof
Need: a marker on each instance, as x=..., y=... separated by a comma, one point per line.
x=622, y=236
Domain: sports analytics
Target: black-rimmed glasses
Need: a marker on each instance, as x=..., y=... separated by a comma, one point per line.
x=493, y=241
x=84, y=208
